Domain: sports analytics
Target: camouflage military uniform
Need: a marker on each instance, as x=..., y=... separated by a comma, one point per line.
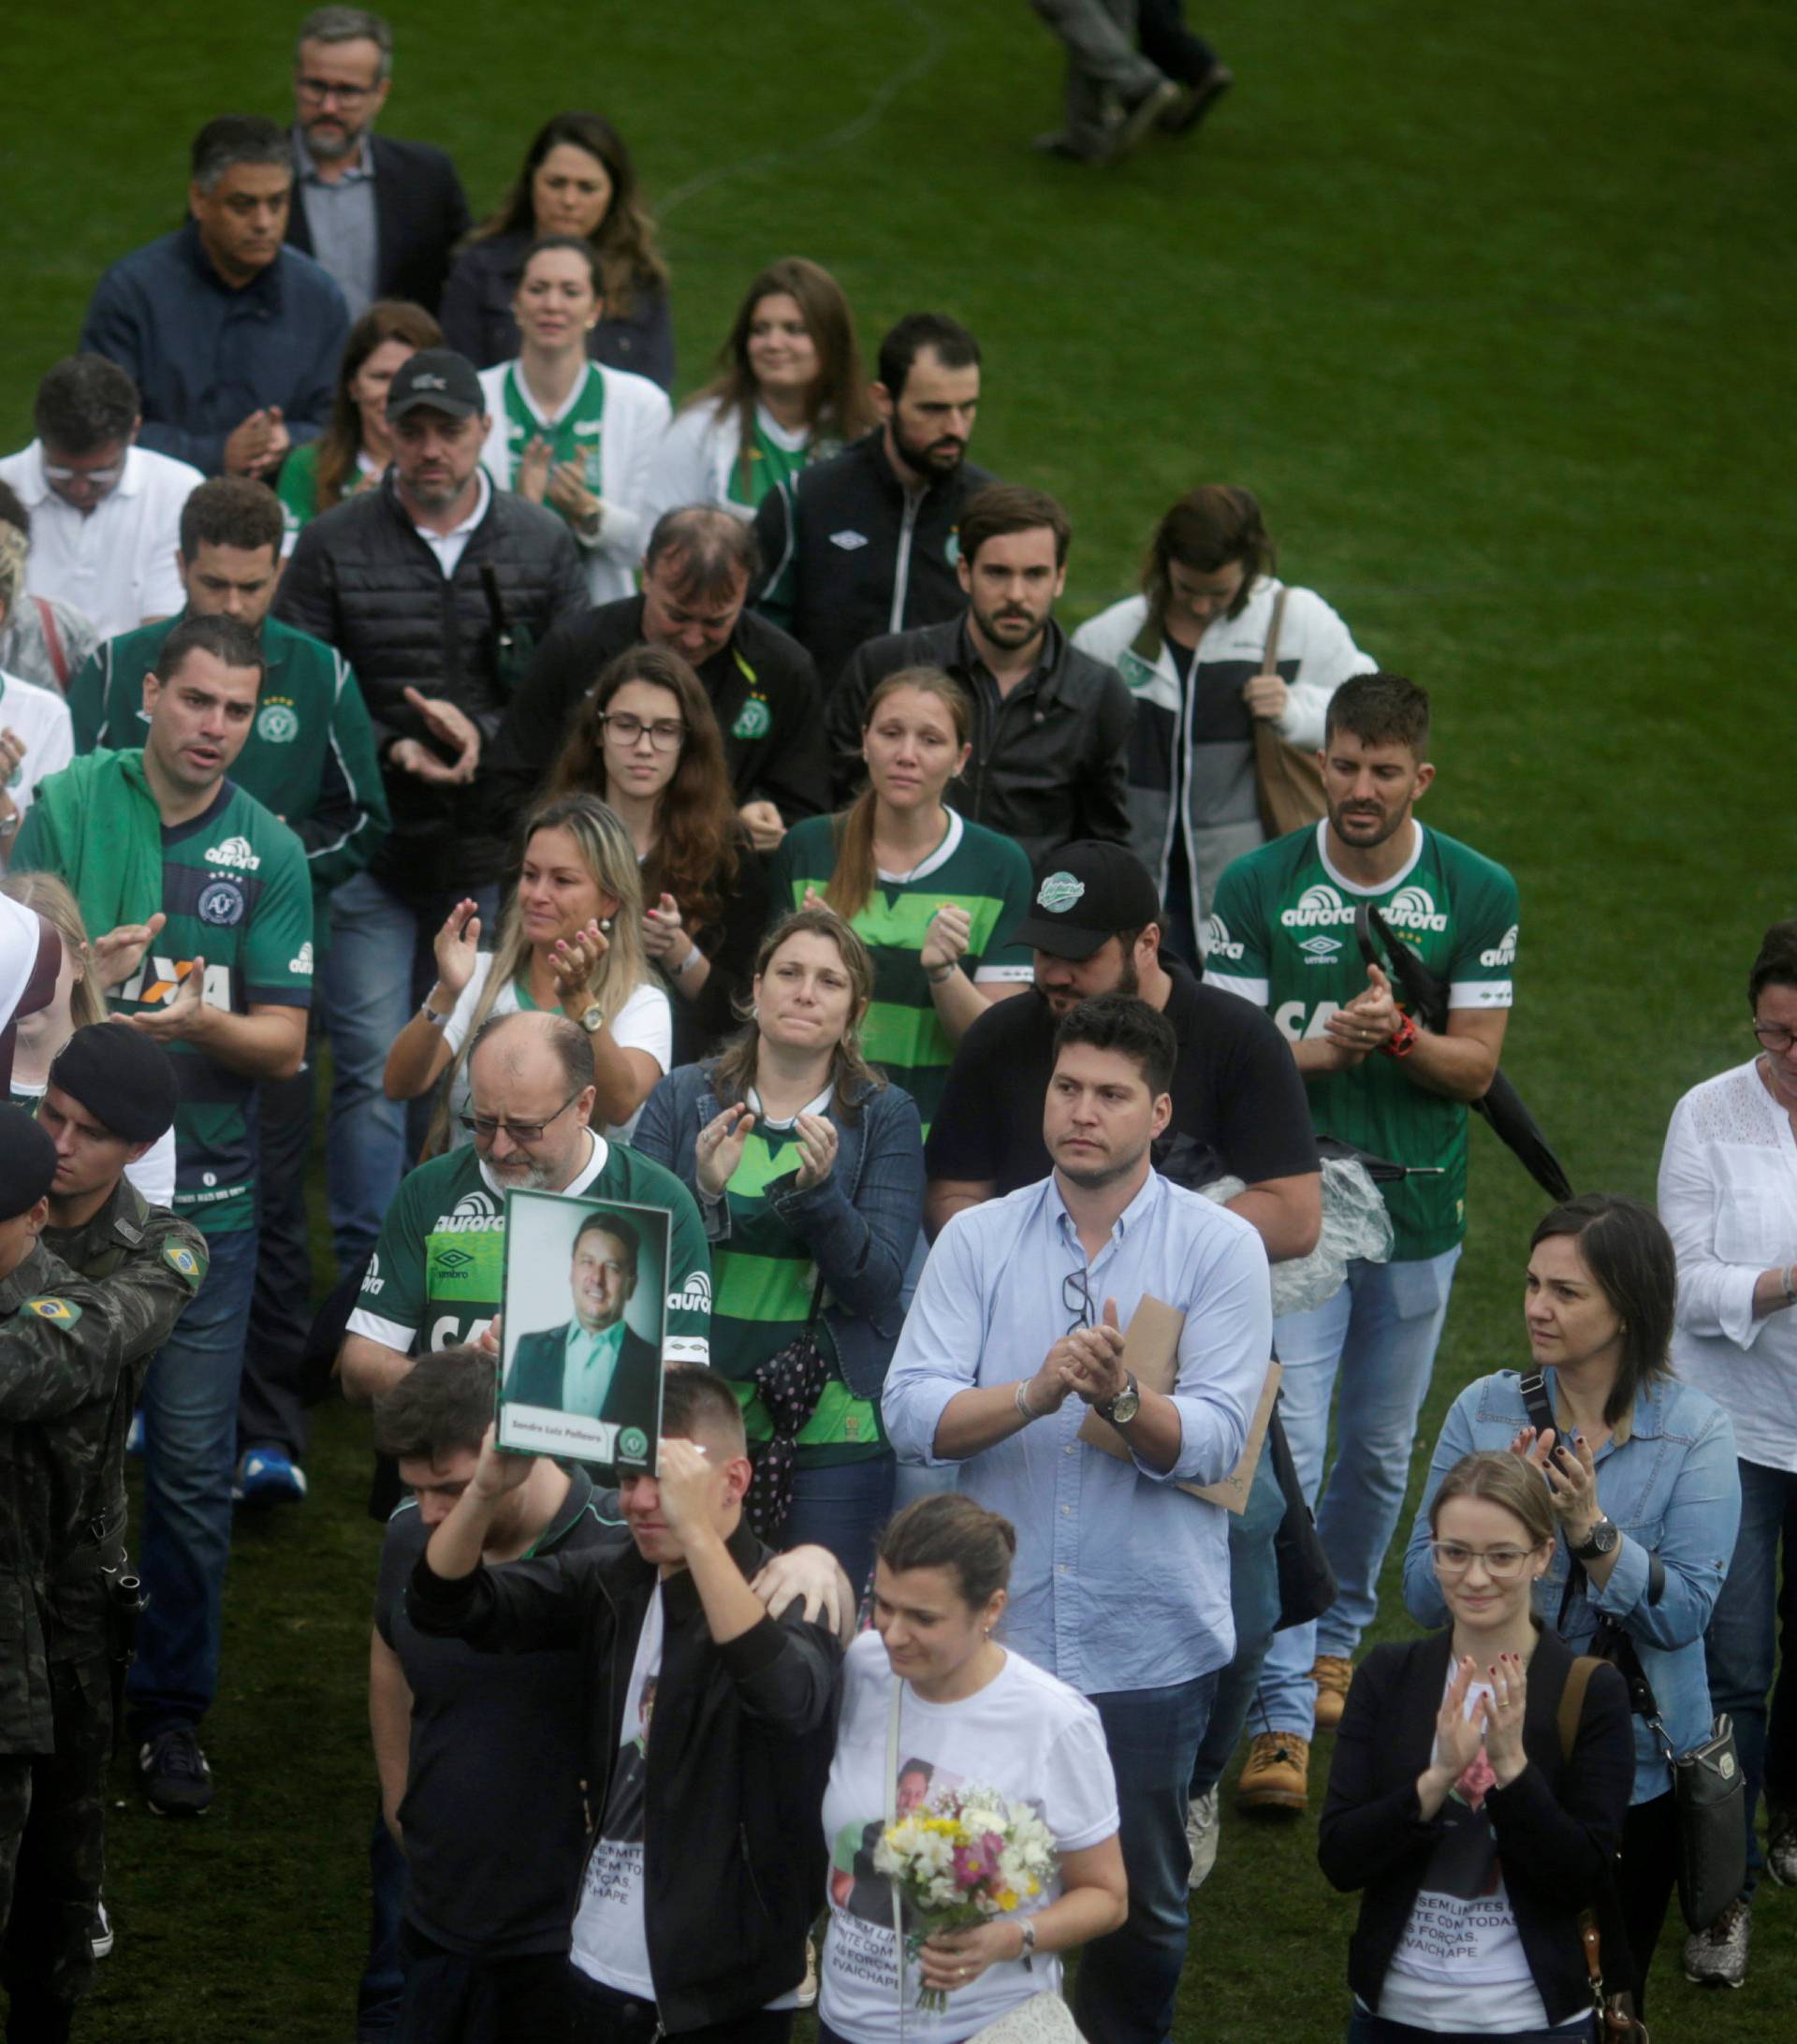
x=79, y=1322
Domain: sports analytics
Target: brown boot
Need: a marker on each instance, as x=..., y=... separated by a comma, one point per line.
x=1331, y=1674
x=1275, y=1776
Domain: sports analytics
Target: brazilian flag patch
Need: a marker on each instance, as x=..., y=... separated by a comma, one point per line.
x=65, y=1312
x=178, y=1256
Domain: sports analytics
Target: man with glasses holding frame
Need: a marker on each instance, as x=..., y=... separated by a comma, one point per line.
x=1122, y=1585
x=383, y=217
x=435, y=1279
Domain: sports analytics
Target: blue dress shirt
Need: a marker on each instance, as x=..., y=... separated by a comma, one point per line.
x=1122, y=1582
x=205, y=356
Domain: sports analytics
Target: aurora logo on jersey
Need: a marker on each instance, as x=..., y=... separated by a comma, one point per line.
x=1218, y=942
x=694, y=1295
x=234, y=851
x=473, y=1213
x=1320, y=907
x=1505, y=951
x=303, y=962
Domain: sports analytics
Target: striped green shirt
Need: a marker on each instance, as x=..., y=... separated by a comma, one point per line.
x=764, y=1277
x=974, y=868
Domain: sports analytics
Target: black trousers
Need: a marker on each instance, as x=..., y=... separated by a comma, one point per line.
x=451, y=1998
x=601, y=2015
x=1646, y=1877
x=52, y=1849
x=270, y=1401
x=1169, y=45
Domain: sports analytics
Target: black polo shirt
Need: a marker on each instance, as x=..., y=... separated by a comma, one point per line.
x=1236, y=1088
x=493, y=1816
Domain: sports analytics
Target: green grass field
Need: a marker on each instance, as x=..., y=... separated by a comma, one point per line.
x=1491, y=306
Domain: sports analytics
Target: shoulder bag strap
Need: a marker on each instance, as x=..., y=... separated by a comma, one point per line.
x=1270, y=656
x=54, y=640
x=893, y=1711
x=1578, y=1680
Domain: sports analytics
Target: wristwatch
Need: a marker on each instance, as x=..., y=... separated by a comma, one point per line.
x=593, y=1020
x=1122, y=1408
x=1603, y=1538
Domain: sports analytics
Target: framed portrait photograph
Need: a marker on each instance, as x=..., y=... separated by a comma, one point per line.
x=585, y=1310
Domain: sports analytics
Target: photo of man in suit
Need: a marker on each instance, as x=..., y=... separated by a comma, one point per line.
x=593, y=1365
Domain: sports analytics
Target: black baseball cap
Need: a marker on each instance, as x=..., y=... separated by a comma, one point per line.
x=1086, y=892
x=437, y=379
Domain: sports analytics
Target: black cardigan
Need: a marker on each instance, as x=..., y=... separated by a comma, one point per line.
x=1556, y=1826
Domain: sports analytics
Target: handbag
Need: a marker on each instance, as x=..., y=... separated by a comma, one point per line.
x=790, y=1385
x=1617, y=2022
x=1044, y=2018
x=1709, y=1790
x=1288, y=784
x=1307, y=1582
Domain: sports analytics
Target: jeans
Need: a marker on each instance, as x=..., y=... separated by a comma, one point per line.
x=190, y=1441
x=1128, y=1981
x=1754, y=1618
x=1254, y=1606
x=842, y=1508
x=1378, y=1334
x=1363, y=2028
x=379, y=967
x=270, y=1401
x=381, y=1991
x=1102, y=58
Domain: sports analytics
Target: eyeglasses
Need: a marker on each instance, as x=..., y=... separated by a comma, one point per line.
x=483, y=1128
x=1774, y=1038
x=322, y=89
x=103, y=477
x=1077, y=1297
x=664, y=734
x=1502, y=1564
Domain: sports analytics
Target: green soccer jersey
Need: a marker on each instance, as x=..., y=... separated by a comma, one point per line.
x=577, y=435
x=767, y=464
x=975, y=869
x=765, y=1279
x=235, y=890
x=437, y=1274
x=1283, y=937
x=310, y=754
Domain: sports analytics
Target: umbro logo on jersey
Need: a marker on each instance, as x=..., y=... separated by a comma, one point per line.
x=1413, y=908
x=474, y=1214
x=847, y=541
x=454, y=1260
x=1506, y=952
x=1317, y=907
x=1320, y=950
x=234, y=851
x=1218, y=942
x=694, y=1295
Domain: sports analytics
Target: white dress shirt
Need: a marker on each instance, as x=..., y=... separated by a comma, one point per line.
x=1728, y=1194
x=117, y=562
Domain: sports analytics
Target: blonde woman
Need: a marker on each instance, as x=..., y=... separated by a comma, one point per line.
x=572, y=939
x=78, y=1001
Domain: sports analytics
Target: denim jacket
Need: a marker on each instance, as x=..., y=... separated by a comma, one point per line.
x=1672, y=1489
x=860, y=1224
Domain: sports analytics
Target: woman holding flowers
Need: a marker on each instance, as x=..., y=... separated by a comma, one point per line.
x=971, y=1792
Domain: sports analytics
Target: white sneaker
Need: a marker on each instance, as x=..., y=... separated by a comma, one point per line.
x=99, y=1932
x=1203, y=1815
x=1717, y=1957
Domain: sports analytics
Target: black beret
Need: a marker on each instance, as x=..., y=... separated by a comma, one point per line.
x=27, y=1162
x=121, y=1077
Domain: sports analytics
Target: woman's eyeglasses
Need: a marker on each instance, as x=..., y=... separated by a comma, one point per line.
x=664, y=734
x=1776, y=1040
x=1502, y=1564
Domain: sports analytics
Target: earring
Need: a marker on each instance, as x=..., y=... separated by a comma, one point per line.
x=604, y=926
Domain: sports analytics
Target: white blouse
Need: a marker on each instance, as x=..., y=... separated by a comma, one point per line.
x=1728, y=1194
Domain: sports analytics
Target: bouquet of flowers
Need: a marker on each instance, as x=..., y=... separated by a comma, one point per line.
x=959, y=1860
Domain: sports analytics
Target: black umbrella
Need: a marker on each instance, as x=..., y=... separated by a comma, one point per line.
x=1502, y=1105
